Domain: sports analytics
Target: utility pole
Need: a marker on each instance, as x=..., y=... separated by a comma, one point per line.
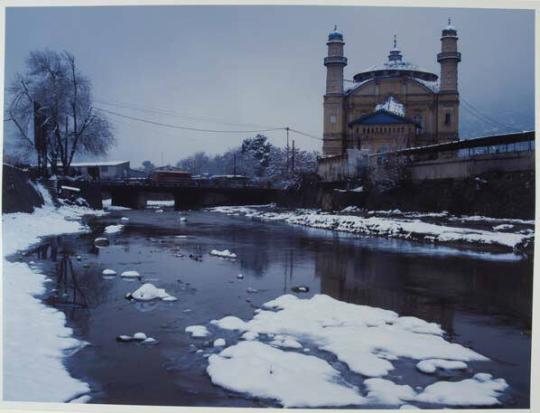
x=293, y=156
x=287, y=129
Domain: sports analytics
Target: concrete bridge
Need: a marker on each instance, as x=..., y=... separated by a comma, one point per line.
x=187, y=196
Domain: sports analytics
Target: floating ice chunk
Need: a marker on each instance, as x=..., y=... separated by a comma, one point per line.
x=240, y=276
x=300, y=289
x=113, y=229
x=230, y=323
x=124, y=220
x=408, y=407
x=101, y=242
x=181, y=236
x=481, y=390
x=78, y=258
x=124, y=338
x=139, y=336
x=159, y=211
x=197, y=331
x=223, y=254
x=264, y=371
x=183, y=219
x=431, y=365
x=503, y=227
x=108, y=272
x=382, y=391
x=252, y=290
x=130, y=274
x=220, y=342
x=150, y=340
x=148, y=292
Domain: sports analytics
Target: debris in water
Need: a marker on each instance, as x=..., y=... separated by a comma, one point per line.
x=300, y=289
x=101, y=242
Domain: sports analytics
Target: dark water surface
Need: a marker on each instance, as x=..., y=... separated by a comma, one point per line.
x=481, y=300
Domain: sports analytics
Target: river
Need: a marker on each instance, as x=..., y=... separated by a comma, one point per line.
x=482, y=300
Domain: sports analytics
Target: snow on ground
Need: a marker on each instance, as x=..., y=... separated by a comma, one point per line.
x=36, y=373
x=368, y=340
x=223, y=254
x=407, y=226
x=113, y=229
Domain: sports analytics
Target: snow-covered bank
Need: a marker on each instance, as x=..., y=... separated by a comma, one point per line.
x=394, y=224
x=36, y=372
x=369, y=341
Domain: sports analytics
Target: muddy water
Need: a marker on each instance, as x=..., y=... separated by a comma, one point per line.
x=482, y=300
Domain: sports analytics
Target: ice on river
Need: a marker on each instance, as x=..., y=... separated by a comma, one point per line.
x=368, y=340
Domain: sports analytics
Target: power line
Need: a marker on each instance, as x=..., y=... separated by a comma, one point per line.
x=167, y=125
x=482, y=116
x=142, y=108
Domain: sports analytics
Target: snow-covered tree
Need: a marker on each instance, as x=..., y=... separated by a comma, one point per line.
x=51, y=107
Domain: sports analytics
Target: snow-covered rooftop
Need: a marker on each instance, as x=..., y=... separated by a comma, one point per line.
x=391, y=105
x=102, y=163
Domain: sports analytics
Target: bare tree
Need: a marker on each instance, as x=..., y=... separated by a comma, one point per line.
x=51, y=108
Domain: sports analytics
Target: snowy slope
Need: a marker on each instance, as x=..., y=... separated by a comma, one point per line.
x=35, y=337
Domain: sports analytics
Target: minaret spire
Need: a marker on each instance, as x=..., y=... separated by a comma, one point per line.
x=395, y=41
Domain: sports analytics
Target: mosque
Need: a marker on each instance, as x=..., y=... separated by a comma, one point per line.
x=391, y=106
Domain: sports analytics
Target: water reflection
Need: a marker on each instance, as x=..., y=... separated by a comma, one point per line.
x=426, y=287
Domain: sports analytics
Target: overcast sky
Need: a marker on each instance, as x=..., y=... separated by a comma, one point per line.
x=261, y=65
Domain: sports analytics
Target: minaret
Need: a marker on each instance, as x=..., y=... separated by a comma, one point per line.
x=448, y=110
x=449, y=59
x=334, y=122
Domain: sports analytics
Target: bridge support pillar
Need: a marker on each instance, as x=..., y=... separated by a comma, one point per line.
x=128, y=198
x=187, y=199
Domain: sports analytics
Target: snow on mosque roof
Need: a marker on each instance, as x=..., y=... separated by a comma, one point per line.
x=395, y=66
x=391, y=105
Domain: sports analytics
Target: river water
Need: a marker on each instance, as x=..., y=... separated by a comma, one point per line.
x=482, y=300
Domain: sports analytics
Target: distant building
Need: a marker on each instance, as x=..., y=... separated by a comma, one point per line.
x=390, y=106
x=102, y=170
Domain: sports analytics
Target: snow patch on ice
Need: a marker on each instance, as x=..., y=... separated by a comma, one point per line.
x=293, y=379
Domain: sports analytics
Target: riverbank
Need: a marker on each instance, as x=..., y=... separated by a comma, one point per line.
x=36, y=373
x=515, y=235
